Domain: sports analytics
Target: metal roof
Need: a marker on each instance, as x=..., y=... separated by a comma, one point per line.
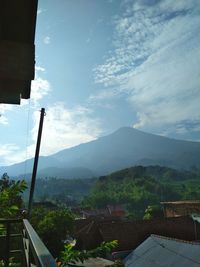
x=17, y=50
x=180, y=202
x=162, y=251
x=195, y=217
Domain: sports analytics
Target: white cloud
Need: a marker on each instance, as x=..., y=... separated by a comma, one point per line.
x=40, y=88
x=39, y=11
x=64, y=128
x=39, y=68
x=104, y=94
x=47, y=40
x=10, y=153
x=156, y=62
x=3, y=109
x=6, y=148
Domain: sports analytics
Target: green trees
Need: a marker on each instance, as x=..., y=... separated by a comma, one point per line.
x=53, y=226
x=70, y=256
x=152, y=212
x=142, y=189
x=10, y=196
x=10, y=204
x=136, y=192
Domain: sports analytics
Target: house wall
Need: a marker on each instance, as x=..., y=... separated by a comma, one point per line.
x=132, y=233
x=183, y=209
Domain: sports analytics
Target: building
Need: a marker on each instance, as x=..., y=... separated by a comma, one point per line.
x=115, y=211
x=90, y=233
x=181, y=208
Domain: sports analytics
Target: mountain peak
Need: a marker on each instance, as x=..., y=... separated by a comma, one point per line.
x=124, y=148
x=129, y=131
x=126, y=128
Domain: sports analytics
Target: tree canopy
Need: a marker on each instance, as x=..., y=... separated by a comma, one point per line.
x=11, y=196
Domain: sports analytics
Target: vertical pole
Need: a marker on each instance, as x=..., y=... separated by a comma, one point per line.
x=195, y=230
x=7, y=244
x=37, y=151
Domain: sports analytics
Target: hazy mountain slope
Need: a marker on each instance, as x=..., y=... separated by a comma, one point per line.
x=124, y=148
x=27, y=166
x=61, y=173
x=127, y=147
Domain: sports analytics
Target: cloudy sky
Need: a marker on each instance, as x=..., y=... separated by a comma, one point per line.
x=105, y=64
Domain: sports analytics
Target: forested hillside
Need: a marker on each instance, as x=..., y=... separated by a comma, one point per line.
x=61, y=190
x=139, y=187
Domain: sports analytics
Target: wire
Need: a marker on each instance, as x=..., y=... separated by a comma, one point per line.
x=27, y=137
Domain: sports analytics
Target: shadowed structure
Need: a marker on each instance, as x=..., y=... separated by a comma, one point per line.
x=17, y=49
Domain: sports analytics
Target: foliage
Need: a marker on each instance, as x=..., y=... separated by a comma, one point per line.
x=140, y=187
x=62, y=190
x=117, y=263
x=10, y=196
x=153, y=211
x=12, y=263
x=53, y=226
x=69, y=255
x=10, y=204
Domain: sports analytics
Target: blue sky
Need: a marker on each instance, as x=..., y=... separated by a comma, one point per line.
x=105, y=64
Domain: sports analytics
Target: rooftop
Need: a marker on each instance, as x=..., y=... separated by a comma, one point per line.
x=181, y=202
x=162, y=251
x=90, y=233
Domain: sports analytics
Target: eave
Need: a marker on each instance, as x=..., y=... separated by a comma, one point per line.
x=17, y=49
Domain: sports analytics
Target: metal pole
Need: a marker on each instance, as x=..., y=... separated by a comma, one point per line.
x=195, y=230
x=37, y=151
x=7, y=256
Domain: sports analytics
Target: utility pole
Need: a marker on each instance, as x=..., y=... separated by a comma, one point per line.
x=37, y=151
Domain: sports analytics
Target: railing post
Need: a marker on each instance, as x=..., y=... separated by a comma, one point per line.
x=37, y=253
x=7, y=256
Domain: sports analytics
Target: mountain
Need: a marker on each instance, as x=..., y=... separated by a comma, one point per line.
x=124, y=148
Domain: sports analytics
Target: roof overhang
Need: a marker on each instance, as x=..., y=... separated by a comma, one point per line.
x=17, y=49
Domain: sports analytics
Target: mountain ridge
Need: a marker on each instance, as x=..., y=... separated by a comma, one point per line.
x=124, y=148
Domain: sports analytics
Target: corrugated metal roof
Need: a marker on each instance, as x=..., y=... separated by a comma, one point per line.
x=161, y=251
x=17, y=50
x=196, y=217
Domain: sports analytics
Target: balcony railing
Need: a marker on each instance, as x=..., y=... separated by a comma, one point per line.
x=31, y=251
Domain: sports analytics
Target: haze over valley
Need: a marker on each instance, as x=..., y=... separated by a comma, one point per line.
x=124, y=148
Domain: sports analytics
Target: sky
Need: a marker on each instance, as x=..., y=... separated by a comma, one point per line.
x=106, y=64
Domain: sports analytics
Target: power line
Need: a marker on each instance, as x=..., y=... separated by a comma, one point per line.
x=27, y=137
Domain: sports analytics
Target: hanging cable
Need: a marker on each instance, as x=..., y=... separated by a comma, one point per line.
x=27, y=138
